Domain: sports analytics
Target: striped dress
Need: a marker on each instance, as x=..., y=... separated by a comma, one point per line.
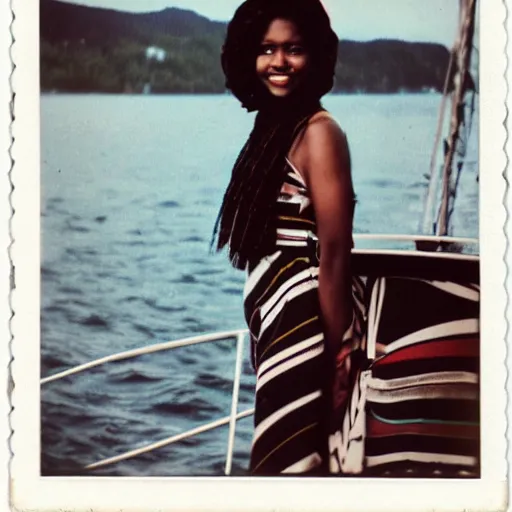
x=293, y=391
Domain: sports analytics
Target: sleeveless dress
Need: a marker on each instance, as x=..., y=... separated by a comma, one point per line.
x=295, y=403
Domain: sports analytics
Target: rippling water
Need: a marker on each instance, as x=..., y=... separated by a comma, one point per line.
x=131, y=186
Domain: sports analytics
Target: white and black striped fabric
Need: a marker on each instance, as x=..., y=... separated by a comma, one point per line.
x=422, y=393
x=293, y=398
x=414, y=407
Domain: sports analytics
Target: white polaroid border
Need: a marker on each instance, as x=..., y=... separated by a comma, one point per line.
x=5, y=213
x=30, y=491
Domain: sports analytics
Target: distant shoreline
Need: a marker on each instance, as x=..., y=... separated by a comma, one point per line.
x=90, y=50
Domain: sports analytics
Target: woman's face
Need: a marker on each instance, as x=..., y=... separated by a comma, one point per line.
x=282, y=61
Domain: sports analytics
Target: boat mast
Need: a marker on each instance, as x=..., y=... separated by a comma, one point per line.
x=428, y=226
x=464, y=48
x=460, y=58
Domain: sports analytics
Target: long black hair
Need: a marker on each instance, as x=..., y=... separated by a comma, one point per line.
x=246, y=221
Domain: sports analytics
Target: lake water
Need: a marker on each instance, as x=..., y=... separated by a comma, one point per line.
x=131, y=186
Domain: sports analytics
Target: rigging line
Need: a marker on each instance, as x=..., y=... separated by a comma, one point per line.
x=464, y=45
x=429, y=197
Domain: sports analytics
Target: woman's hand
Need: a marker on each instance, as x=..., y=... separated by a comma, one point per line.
x=326, y=162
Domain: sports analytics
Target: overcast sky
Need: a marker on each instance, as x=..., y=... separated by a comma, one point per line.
x=410, y=20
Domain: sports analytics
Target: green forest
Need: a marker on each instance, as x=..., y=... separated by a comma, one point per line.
x=85, y=49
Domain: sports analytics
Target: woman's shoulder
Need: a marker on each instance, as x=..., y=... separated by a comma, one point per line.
x=323, y=125
x=321, y=139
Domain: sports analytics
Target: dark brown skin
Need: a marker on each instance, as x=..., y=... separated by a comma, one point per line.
x=322, y=156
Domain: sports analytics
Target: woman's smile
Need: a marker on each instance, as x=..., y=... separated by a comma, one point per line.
x=282, y=61
x=279, y=80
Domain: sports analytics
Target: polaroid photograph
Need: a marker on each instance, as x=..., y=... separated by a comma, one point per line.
x=258, y=243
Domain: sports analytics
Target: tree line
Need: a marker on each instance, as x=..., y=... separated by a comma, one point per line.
x=85, y=49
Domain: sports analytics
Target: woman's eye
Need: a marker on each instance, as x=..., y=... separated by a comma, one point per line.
x=296, y=50
x=292, y=49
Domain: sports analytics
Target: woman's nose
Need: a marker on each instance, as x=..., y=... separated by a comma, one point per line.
x=279, y=59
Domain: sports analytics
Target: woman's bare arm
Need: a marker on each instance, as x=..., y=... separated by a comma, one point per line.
x=328, y=174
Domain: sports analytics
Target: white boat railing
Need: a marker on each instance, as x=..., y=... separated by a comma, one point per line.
x=234, y=416
x=150, y=349
x=174, y=439
x=416, y=238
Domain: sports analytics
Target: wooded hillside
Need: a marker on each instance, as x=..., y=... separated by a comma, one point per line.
x=85, y=49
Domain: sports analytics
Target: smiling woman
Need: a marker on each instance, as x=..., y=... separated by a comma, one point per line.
x=290, y=194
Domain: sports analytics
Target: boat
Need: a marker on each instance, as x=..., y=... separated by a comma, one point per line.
x=442, y=270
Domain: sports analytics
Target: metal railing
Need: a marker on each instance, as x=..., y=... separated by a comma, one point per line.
x=416, y=238
x=234, y=416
